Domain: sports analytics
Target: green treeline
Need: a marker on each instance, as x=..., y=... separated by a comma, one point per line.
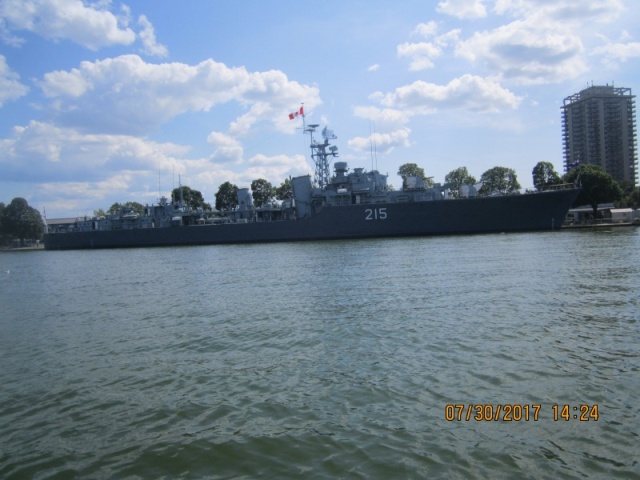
x=19, y=221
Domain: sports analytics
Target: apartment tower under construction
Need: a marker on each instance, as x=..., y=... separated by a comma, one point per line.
x=598, y=128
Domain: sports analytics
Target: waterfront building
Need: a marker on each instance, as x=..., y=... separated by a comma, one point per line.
x=599, y=128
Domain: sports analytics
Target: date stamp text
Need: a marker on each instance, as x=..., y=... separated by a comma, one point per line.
x=515, y=412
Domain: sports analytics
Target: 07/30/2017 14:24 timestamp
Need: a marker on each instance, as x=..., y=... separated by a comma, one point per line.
x=518, y=412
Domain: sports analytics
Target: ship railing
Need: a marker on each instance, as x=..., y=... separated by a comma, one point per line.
x=548, y=188
x=560, y=186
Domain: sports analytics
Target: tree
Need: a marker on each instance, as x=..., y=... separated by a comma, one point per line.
x=597, y=186
x=263, y=192
x=458, y=177
x=284, y=191
x=227, y=196
x=413, y=170
x=115, y=208
x=630, y=195
x=544, y=176
x=630, y=199
x=135, y=206
x=19, y=220
x=192, y=198
x=118, y=207
x=5, y=238
x=499, y=180
x=99, y=213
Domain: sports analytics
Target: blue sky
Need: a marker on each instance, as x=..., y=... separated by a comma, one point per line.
x=107, y=101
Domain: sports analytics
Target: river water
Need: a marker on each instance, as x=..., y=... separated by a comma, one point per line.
x=325, y=359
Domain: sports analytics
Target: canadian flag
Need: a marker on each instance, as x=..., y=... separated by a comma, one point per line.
x=295, y=114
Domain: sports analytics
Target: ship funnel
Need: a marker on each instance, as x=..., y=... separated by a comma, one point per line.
x=301, y=187
x=245, y=199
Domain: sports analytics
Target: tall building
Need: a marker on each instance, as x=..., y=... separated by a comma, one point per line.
x=599, y=128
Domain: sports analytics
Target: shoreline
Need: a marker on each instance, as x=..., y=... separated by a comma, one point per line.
x=30, y=248
x=602, y=225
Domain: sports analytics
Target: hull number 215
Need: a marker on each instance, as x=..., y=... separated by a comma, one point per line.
x=375, y=214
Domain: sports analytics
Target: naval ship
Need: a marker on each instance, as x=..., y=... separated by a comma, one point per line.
x=344, y=205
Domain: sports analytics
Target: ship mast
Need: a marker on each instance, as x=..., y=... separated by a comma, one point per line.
x=320, y=155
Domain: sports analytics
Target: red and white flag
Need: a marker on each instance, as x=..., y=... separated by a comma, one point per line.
x=296, y=114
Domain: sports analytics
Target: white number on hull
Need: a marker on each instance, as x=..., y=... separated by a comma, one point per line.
x=375, y=213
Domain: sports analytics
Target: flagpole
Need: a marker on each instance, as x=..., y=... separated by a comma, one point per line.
x=300, y=113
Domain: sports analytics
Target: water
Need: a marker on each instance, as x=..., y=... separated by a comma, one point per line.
x=323, y=360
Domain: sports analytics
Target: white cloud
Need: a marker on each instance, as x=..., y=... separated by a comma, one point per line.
x=219, y=139
x=127, y=95
x=226, y=148
x=66, y=84
x=527, y=52
x=612, y=52
x=77, y=173
x=148, y=37
x=381, y=116
x=81, y=198
x=575, y=12
x=463, y=9
x=98, y=169
x=103, y=109
x=10, y=86
x=544, y=42
x=384, y=142
x=68, y=155
x=421, y=53
x=89, y=25
x=468, y=92
x=258, y=110
x=452, y=37
x=6, y=37
x=426, y=29
x=275, y=168
x=373, y=68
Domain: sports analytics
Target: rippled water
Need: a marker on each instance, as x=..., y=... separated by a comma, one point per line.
x=322, y=360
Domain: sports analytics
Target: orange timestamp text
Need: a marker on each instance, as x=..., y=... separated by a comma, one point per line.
x=513, y=412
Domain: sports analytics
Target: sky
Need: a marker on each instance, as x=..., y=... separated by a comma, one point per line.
x=107, y=101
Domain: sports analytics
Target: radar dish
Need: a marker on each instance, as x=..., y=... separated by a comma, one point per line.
x=328, y=134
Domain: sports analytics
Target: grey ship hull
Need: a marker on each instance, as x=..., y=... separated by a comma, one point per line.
x=510, y=213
